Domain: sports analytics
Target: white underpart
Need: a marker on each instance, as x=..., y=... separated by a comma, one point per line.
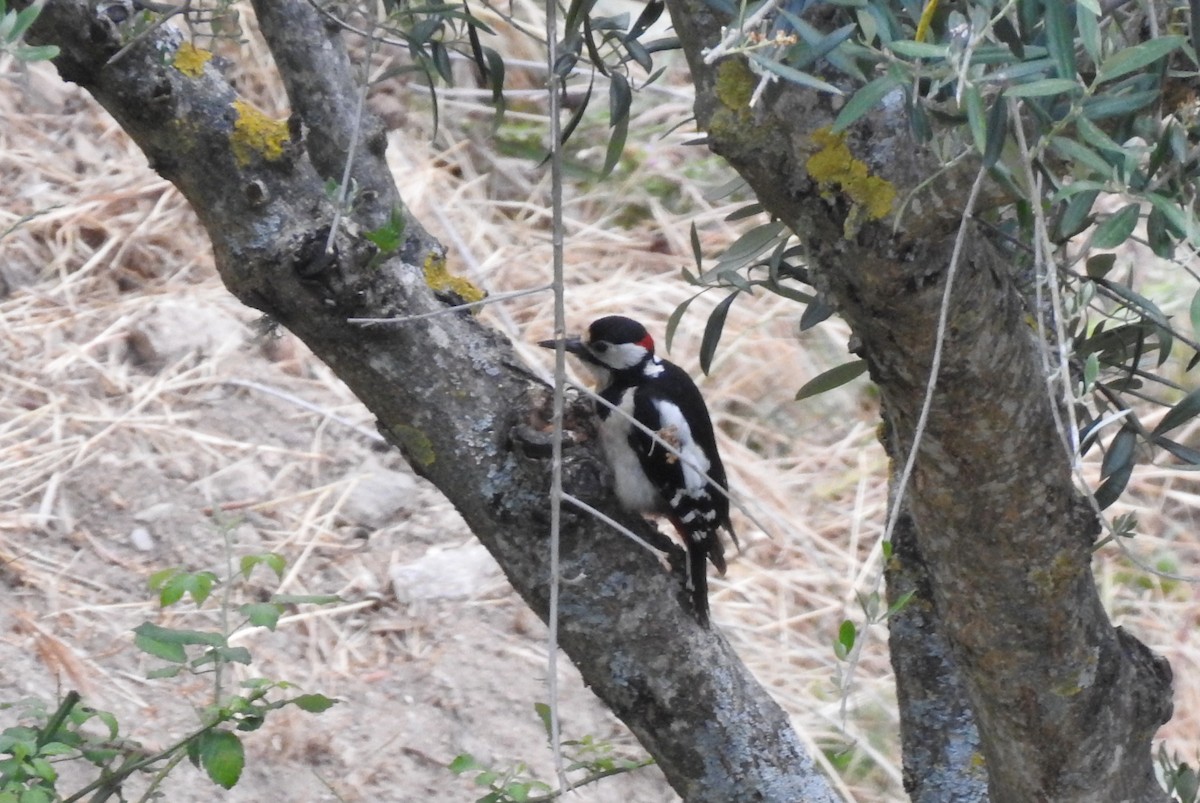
x=634, y=488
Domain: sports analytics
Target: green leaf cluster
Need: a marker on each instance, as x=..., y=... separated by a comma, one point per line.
x=764, y=257
x=433, y=33
x=28, y=752
x=31, y=749
x=1122, y=342
x=611, y=46
x=872, y=605
x=13, y=27
x=1181, y=779
x=511, y=785
x=595, y=758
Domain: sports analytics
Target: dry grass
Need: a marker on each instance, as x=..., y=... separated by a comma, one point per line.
x=96, y=435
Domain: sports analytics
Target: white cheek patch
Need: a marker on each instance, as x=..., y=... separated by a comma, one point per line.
x=692, y=458
x=621, y=356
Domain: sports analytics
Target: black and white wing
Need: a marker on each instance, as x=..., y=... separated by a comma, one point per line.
x=672, y=407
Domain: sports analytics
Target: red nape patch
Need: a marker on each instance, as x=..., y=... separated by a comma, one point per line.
x=647, y=343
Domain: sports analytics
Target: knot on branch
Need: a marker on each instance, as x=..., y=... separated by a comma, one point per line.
x=114, y=11
x=535, y=437
x=313, y=257
x=585, y=473
x=1153, y=678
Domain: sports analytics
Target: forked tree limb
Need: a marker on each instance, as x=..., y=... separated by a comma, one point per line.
x=448, y=391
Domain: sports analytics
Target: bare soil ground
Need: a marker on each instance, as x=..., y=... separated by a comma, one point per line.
x=147, y=419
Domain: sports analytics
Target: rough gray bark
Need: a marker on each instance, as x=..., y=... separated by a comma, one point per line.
x=938, y=737
x=446, y=390
x=1065, y=704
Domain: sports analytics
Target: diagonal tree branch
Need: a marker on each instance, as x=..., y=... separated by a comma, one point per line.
x=446, y=390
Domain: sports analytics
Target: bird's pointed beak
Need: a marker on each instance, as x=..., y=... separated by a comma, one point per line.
x=573, y=345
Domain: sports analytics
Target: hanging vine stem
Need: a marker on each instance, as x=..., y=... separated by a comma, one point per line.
x=1047, y=271
x=554, y=87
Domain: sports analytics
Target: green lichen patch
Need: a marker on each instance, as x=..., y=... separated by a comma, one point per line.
x=735, y=85
x=833, y=167
x=440, y=280
x=415, y=444
x=255, y=134
x=190, y=60
x=1060, y=574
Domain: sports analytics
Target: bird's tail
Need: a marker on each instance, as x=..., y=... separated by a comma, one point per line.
x=698, y=580
x=716, y=552
x=702, y=546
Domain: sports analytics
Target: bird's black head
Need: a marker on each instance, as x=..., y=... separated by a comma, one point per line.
x=612, y=343
x=628, y=337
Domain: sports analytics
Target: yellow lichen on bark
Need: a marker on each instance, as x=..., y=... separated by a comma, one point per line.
x=834, y=167
x=439, y=278
x=256, y=134
x=190, y=60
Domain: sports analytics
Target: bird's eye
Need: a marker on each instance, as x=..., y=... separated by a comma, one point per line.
x=600, y=347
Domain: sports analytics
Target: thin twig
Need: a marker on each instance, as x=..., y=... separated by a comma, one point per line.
x=553, y=90
x=344, y=190
x=731, y=36
x=595, y=776
x=663, y=557
x=1048, y=272
x=290, y=398
x=151, y=792
x=491, y=299
x=1102, y=289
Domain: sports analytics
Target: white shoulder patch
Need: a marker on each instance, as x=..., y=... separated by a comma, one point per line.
x=695, y=463
x=654, y=367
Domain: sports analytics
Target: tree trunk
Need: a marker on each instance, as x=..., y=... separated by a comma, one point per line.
x=938, y=737
x=1065, y=704
x=447, y=391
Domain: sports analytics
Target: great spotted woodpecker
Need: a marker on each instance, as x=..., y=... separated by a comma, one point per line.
x=651, y=479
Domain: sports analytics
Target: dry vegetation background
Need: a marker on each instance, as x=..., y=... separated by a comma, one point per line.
x=145, y=416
